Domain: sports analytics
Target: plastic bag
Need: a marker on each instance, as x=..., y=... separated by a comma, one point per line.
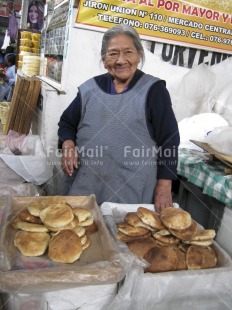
x=6, y=41
x=220, y=140
x=14, y=141
x=197, y=128
x=28, y=158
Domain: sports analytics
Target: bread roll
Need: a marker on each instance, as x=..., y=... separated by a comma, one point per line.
x=87, y=222
x=82, y=214
x=57, y=215
x=91, y=229
x=35, y=208
x=169, y=239
x=204, y=234
x=187, y=233
x=200, y=242
x=150, y=218
x=161, y=259
x=173, y=218
x=142, y=246
x=86, y=244
x=198, y=257
x=83, y=239
x=125, y=238
x=65, y=247
x=71, y=225
x=25, y=216
x=31, y=243
x=131, y=231
x=132, y=219
x=31, y=227
x=80, y=231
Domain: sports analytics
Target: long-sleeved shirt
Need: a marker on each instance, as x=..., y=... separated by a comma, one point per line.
x=161, y=122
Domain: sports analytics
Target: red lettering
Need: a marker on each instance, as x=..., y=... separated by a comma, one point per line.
x=160, y=3
x=209, y=14
x=176, y=7
x=186, y=9
x=225, y=17
x=216, y=16
x=169, y=5
x=202, y=12
x=194, y=12
x=146, y=2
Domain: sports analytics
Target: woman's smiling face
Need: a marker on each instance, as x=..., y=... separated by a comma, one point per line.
x=33, y=14
x=122, y=58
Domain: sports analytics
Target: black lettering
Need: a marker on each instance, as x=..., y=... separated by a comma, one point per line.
x=178, y=54
x=192, y=54
x=153, y=47
x=216, y=58
x=225, y=56
x=203, y=54
x=167, y=54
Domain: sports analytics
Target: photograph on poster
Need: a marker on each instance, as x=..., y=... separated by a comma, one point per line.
x=35, y=14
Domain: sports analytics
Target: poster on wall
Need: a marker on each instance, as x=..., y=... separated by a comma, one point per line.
x=204, y=24
x=35, y=14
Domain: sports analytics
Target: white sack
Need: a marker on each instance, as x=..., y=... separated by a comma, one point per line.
x=192, y=91
x=220, y=140
x=91, y=297
x=198, y=127
x=220, y=96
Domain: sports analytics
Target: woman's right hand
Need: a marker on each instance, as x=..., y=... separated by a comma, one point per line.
x=69, y=157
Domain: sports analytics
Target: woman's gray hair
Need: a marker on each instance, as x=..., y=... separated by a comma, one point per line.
x=122, y=29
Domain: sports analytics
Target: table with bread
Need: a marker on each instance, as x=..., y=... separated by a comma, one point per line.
x=46, y=238
x=175, y=263
x=57, y=227
x=168, y=241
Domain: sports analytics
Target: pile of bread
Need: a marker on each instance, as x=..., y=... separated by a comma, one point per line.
x=168, y=241
x=57, y=228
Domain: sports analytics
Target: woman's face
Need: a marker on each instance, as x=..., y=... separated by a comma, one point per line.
x=122, y=58
x=33, y=14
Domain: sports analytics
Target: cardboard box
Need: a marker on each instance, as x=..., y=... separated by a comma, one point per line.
x=204, y=289
x=101, y=263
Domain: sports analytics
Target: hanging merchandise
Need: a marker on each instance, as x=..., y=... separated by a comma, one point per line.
x=6, y=41
x=13, y=26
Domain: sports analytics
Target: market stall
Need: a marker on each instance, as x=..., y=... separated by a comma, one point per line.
x=67, y=58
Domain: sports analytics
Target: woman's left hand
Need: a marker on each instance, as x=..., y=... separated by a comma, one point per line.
x=163, y=195
x=69, y=157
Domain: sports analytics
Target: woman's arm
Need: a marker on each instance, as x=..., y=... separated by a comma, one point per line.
x=67, y=135
x=164, y=129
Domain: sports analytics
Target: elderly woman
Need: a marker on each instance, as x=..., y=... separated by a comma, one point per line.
x=119, y=136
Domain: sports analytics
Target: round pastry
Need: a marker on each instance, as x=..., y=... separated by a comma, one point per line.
x=65, y=247
x=173, y=218
x=57, y=215
x=31, y=243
